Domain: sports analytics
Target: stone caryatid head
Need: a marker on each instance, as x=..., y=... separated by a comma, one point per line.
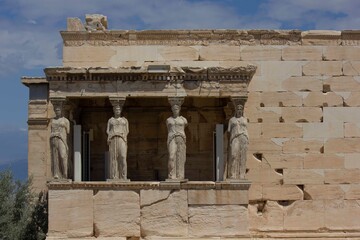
x=117, y=110
x=176, y=103
x=238, y=103
x=117, y=103
x=58, y=109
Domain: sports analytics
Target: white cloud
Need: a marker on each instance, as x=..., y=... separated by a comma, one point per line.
x=322, y=14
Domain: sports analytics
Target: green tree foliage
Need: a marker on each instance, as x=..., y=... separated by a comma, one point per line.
x=22, y=214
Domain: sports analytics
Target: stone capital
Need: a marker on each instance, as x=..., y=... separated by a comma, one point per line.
x=58, y=101
x=117, y=101
x=238, y=100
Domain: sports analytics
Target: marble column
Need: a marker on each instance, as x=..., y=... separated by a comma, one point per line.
x=176, y=141
x=117, y=131
x=59, y=139
x=238, y=141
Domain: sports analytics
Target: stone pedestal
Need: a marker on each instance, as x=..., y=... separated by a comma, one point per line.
x=174, y=209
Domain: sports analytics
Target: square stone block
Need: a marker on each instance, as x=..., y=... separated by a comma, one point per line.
x=301, y=114
x=177, y=53
x=352, y=129
x=117, y=213
x=71, y=213
x=282, y=130
x=88, y=54
x=282, y=192
x=220, y=53
x=351, y=68
x=217, y=197
x=303, y=176
x=352, y=192
x=343, y=83
x=260, y=53
x=304, y=215
x=302, y=53
x=264, y=175
x=342, y=214
x=262, y=114
x=280, y=99
x=300, y=145
x=164, y=213
x=353, y=100
x=352, y=160
x=320, y=99
x=323, y=130
x=332, y=53
x=255, y=192
x=303, y=84
x=342, y=114
x=268, y=217
x=342, y=145
x=263, y=145
x=282, y=161
x=272, y=75
x=323, y=161
x=218, y=220
x=323, y=191
x=319, y=68
x=342, y=176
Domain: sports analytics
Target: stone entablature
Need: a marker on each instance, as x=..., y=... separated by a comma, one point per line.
x=131, y=81
x=209, y=37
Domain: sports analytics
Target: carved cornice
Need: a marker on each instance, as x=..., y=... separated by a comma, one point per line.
x=234, y=74
x=181, y=37
x=205, y=37
x=33, y=80
x=350, y=37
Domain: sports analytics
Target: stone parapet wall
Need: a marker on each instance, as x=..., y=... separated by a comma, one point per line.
x=193, y=210
x=147, y=210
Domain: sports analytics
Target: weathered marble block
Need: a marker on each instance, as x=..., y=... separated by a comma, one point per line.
x=71, y=213
x=217, y=197
x=164, y=213
x=218, y=220
x=116, y=213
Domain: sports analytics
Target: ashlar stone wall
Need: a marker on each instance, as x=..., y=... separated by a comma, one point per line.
x=149, y=210
x=304, y=121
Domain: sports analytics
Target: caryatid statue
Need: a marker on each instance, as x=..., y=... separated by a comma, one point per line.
x=117, y=131
x=60, y=128
x=176, y=141
x=239, y=139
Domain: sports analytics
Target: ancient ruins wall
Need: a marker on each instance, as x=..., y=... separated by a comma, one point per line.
x=147, y=210
x=304, y=123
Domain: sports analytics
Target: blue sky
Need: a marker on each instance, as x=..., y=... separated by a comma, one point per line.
x=30, y=39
